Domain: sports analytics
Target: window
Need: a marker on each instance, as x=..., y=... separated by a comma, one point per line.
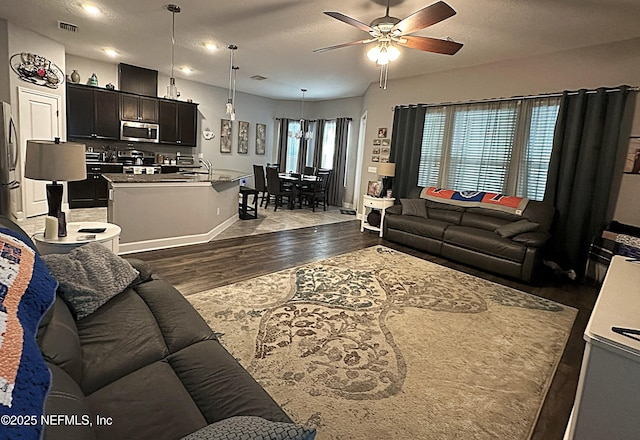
x=293, y=147
x=502, y=147
x=328, y=145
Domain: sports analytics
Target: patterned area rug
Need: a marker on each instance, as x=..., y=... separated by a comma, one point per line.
x=380, y=344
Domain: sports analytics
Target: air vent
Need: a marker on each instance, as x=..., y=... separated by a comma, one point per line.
x=67, y=26
x=259, y=77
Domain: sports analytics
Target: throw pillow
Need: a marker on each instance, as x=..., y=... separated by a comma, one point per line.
x=252, y=427
x=512, y=229
x=89, y=276
x=414, y=207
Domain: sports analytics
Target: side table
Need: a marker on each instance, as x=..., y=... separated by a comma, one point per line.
x=369, y=203
x=110, y=238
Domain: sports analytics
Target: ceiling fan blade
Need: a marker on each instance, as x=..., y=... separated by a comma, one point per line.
x=338, y=46
x=429, y=44
x=425, y=17
x=349, y=20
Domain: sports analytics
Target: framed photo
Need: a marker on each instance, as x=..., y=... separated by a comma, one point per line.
x=374, y=188
x=225, y=136
x=382, y=132
x=375, y=158
x=386, y=142
x=632, y=165
x=376, y=142
x=384, y=160
x=385, y=150
x=261, y=135
x=243, y=137
x=376, y=150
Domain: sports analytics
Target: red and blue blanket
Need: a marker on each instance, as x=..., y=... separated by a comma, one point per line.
x=480, y=199
x=27, y=290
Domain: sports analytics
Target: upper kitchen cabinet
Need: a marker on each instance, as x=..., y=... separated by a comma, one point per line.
x=138, y=108
x=92, y=113
x=178, y=123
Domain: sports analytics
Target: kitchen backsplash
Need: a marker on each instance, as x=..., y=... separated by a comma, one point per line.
x=167, y=151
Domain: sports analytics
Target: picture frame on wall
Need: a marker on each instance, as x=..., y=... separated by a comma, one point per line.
x=632, y=164
x=376, y=142
x=243, y=137
x=225, y=136
x=261, y=136
x=382, y=132
x=376, y=150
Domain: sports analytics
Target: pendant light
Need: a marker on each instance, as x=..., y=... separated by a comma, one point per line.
x=231, y=111
x=303, y=123
x=172, y=90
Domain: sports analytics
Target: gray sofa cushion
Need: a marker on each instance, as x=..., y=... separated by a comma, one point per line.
x=414, y=207
x=250, y=427
x=418, y=226
x=487, y=242
x=511, y=229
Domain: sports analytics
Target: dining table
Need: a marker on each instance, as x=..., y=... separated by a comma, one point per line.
x=298, y=183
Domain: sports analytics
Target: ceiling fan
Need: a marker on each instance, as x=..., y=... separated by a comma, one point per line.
x=388, y=31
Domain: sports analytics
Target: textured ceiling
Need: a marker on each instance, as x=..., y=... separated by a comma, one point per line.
x=275, y=38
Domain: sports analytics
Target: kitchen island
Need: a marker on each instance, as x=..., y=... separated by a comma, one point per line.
x=158, y=211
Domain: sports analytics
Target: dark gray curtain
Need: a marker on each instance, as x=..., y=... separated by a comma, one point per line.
x=283, y=136
x=317, y=137
x=589, y=145
x=406, y=142
x=304, y=145
x=336, y=184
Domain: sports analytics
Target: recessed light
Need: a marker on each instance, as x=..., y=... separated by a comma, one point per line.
x=210, y=46
x=91, y=9
x=186, y=70
x=112, y=53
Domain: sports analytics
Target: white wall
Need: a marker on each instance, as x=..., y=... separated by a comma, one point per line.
x=24, y=40
x=605, y=65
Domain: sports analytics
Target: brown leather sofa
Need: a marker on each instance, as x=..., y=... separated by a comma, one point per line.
x=143, y=366
x=468, y=235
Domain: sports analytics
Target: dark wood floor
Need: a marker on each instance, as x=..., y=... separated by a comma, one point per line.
x=196, y=268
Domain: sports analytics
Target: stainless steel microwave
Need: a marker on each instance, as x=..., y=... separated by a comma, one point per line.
x=139, y=132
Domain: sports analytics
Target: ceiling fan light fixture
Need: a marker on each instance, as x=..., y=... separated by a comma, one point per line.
x=373, y=53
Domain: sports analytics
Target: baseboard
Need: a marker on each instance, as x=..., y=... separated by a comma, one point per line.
x=170, y=242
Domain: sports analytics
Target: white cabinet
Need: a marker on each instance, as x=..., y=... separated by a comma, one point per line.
x=607, y=404
x=369, y=203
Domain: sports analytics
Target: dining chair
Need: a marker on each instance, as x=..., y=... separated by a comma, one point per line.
x=310, y=171
x=317, y=192
x=276, y=189
x=260, y=183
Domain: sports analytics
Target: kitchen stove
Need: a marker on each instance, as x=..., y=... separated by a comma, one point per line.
x=136, y=157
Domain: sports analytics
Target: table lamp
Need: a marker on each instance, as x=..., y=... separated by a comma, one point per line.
x=55, y=161
x=387, y=170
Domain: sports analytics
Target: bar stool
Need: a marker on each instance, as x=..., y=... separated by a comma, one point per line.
x=245, y=211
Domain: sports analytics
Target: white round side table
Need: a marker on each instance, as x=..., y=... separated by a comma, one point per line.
x=110, y=238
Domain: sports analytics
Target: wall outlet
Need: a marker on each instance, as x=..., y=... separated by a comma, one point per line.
x=372, y=169
x=218, y=211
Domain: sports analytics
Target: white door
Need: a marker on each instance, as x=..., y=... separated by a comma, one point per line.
x=39, y=119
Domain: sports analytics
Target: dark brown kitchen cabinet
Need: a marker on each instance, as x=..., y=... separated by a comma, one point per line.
x=138, y=108
x=93, y=192
x=178, y=123
x=92, y=113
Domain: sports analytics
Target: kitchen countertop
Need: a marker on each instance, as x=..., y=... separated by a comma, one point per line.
x=216, y=176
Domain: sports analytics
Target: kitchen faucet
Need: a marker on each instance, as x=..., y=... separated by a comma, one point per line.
x=207, y=164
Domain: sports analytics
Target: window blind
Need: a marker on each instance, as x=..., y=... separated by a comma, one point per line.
x=502, y=146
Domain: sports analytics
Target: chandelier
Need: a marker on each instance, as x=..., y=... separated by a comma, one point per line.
x=172, y=90
x=304, y=124
x=231, y=111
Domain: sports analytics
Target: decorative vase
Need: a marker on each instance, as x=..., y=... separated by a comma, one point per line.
x=75, y=77
x=93, y=81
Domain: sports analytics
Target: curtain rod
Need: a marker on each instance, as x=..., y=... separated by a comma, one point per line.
x=543, y=95
x=314, y=120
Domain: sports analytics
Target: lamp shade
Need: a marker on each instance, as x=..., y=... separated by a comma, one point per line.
x=55, y=160
x=386, y=169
